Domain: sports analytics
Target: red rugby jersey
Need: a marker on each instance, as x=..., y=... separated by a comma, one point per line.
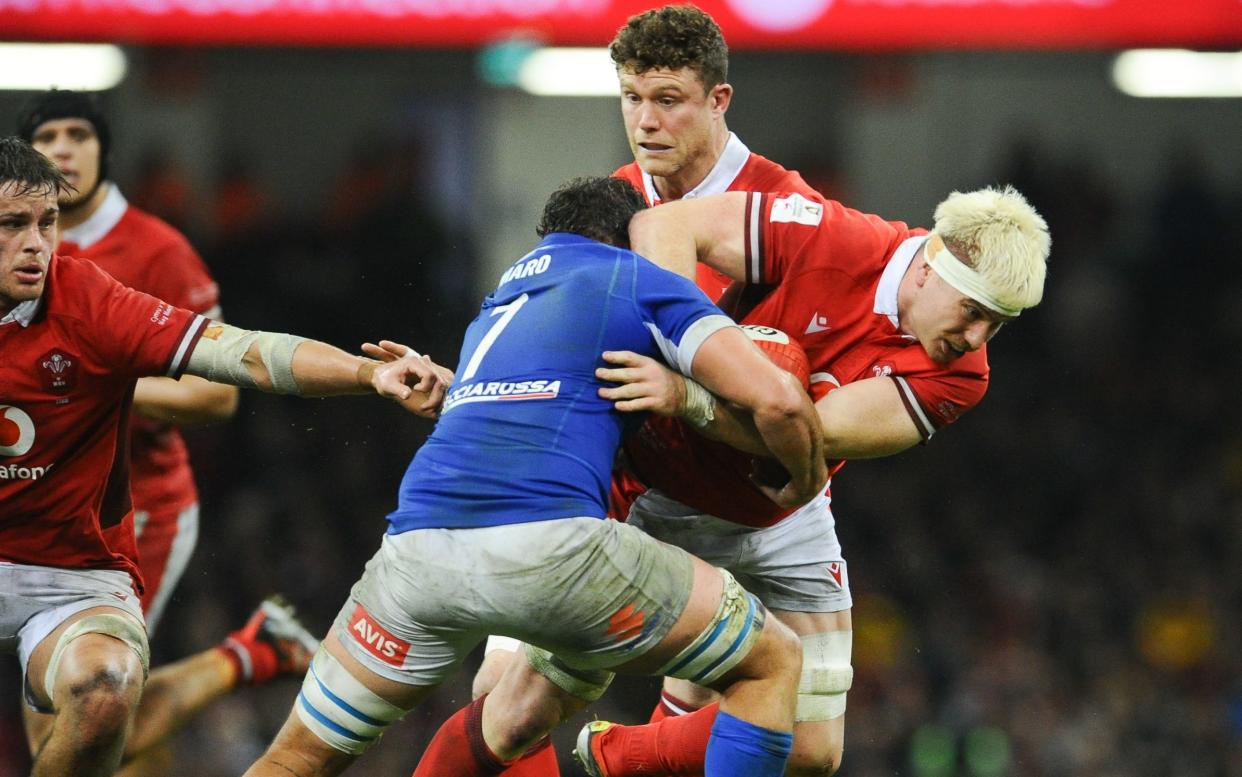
x=149, y=255
x=737, y=170
x=68, y=363
x=836, y=272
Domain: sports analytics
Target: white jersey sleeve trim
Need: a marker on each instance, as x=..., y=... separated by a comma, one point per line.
x=755, y=270
x=192, y=333
x=681, y=355
x=926, y=427
x=825, y=377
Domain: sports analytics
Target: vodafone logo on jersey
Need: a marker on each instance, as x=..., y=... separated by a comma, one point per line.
x=377, y=640
x=17, y=431
x=780, y=16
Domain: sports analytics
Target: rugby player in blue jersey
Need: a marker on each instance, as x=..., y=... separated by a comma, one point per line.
x=499, y=527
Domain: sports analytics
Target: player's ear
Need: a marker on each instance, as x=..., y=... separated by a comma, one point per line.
x=720, y=97
x=922, y=269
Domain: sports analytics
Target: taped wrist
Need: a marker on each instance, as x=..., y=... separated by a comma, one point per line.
x=220, y=355
x=700, y=406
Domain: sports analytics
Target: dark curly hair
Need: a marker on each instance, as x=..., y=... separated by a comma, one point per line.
x=28, y=171
x=599, y=208
x=673, y=37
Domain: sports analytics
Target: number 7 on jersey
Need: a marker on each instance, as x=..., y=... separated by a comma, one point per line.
x=489, y=339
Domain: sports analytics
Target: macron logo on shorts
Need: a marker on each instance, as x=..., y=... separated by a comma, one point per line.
x=378, y=641
x=834, y=571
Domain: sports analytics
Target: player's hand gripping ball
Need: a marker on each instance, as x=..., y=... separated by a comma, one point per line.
x=783, y=351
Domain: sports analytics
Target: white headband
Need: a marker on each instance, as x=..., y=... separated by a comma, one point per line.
x=962, y=277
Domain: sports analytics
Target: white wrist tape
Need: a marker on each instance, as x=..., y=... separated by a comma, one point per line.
x=221, y=353
x=700, y=406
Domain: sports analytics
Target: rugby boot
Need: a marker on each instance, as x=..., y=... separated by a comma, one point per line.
x=586, y=751
x=272, y=643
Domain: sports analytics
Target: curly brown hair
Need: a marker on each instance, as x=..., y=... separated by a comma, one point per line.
x=673, y=37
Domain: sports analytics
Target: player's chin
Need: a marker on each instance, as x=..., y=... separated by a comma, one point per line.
x=24, y=292
x=941, y=352
x=660, y=165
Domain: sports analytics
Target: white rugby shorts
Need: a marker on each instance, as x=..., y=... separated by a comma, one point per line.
x=596, y=593
x=34, y=600
x=794, y=565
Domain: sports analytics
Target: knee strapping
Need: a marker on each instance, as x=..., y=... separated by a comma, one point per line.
x=826, y=675
x=339, y=709
x=585, y=684
x=117, y=626
x=728, y=638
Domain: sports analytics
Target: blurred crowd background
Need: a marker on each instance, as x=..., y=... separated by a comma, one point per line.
x=1049, y=587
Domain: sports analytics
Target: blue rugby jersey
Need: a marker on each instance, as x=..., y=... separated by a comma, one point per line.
x=523, y=435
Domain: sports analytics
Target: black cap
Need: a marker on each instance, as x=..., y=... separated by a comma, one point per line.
x=64, y=104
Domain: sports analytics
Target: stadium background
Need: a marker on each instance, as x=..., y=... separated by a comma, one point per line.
x=1049, y=588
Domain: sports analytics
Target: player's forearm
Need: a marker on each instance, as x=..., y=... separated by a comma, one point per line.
x=734, y=426
x=185, y=402
x=322, y=370
x=278, y=363
x=789, y=427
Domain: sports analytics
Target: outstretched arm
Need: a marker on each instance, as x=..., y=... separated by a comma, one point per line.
x=286, y=364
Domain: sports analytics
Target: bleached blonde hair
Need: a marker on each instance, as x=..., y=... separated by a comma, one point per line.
x=998, y=234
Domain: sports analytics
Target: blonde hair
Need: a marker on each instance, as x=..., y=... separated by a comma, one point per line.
x=999, y=235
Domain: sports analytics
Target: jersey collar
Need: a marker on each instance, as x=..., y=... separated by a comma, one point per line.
x=890, y=280
x=101, y=222
x=23, y=313
x=718, y=180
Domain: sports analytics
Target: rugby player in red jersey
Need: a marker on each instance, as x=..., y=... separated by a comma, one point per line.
x=143, y=252
x=672, y=64
x=73, y=342
x=147, y=254
x=895, y=323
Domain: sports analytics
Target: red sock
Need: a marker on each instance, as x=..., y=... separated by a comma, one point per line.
x=670, y=706
x=539, y=761
x=458, y=750
x=676, y=745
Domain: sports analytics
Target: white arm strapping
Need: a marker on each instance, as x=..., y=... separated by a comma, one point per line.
x=220, y=355
x=700, y=406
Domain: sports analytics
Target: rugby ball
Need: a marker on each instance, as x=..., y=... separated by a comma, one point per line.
x=782, y=350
